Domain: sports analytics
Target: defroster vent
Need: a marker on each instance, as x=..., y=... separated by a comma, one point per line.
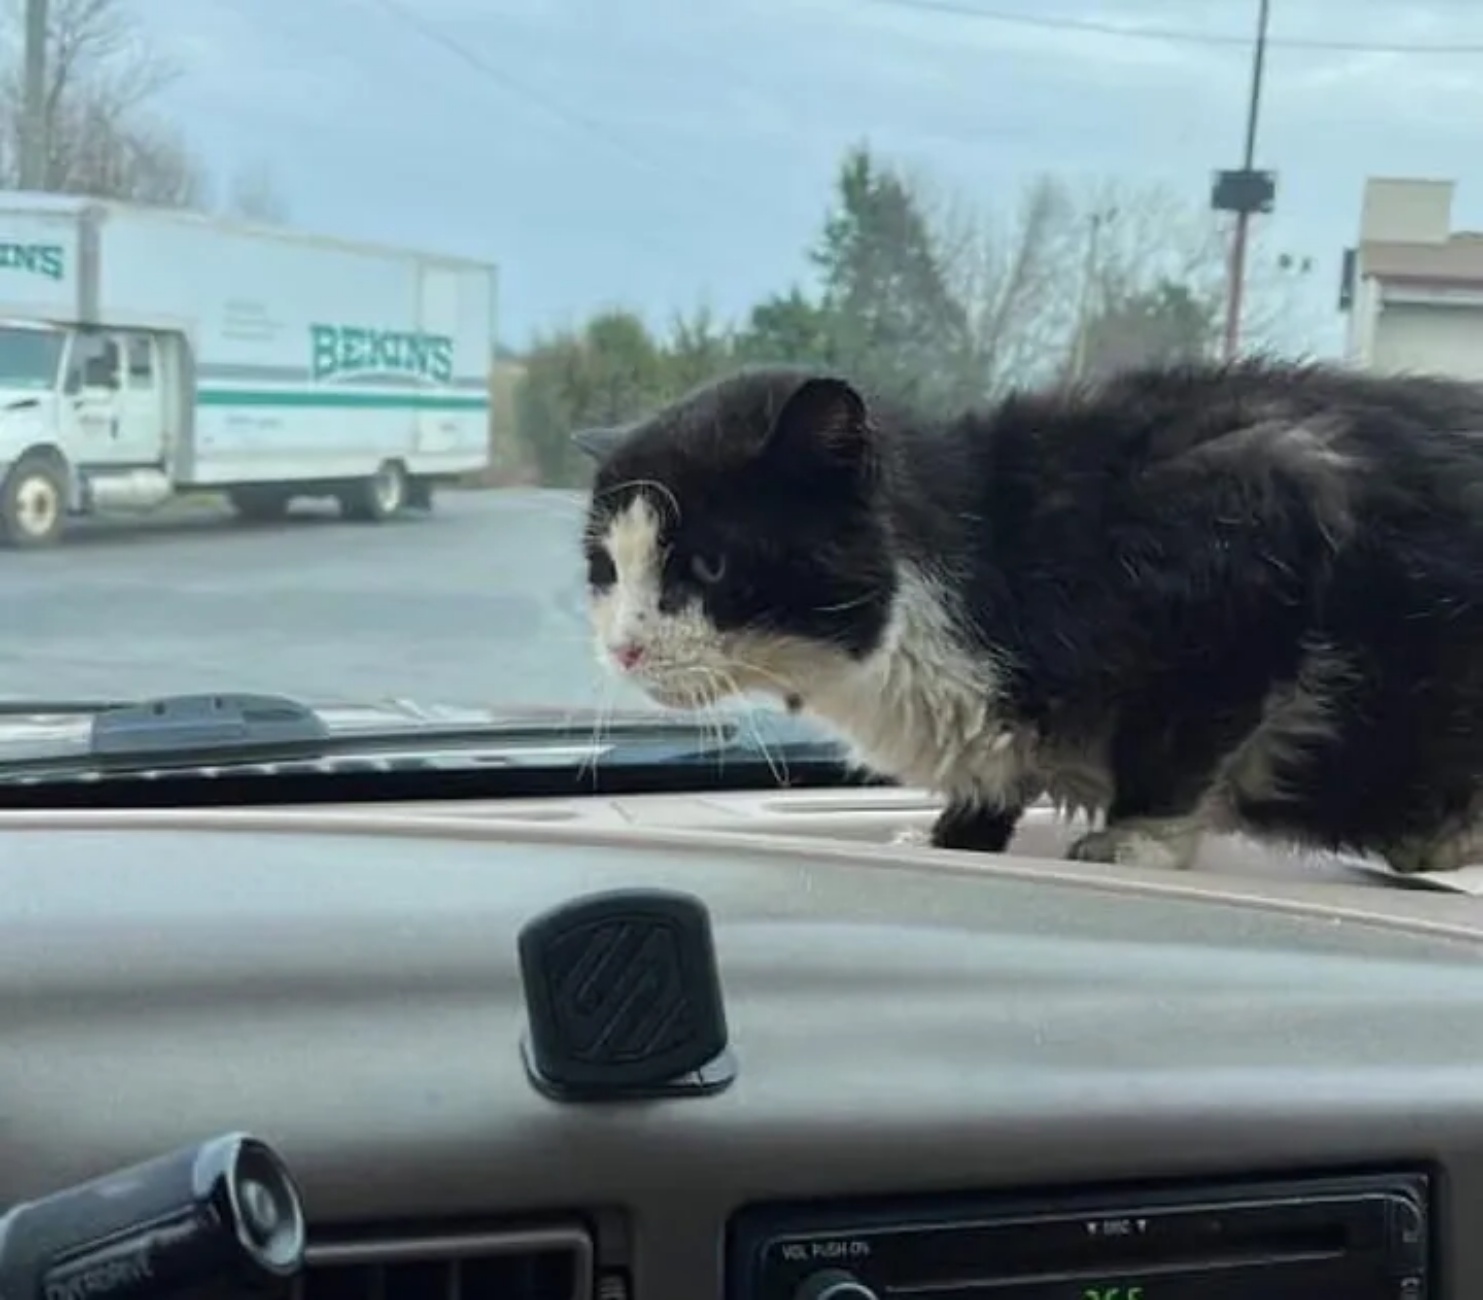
x=546, y=1263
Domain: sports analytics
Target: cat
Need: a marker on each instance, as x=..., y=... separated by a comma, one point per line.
x=1186, y=599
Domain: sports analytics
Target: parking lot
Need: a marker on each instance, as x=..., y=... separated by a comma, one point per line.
x=480, y=602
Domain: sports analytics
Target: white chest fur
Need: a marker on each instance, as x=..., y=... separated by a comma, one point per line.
x=924, y=709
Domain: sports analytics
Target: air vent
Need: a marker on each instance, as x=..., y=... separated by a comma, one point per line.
x=546, y=1263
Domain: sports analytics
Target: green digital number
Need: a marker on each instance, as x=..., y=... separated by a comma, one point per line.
x=1112, y=1293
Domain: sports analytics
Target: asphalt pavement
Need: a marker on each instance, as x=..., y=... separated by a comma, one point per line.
x=479, y=603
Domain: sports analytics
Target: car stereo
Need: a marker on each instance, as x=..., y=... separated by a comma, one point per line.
x=1342, y=1238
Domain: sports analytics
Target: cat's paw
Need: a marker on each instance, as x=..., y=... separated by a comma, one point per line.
x=912, y=836
x=1145, y=845
x=1443, y=853
x=974, y=828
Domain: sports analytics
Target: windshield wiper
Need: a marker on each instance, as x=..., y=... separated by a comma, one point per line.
x=69, y=708
x=191, y=726
x=183, y=732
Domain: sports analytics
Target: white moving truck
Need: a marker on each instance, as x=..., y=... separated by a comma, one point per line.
x=147, y=353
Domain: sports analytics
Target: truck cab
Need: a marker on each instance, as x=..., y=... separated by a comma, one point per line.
x=111, y=412
x=81, y=411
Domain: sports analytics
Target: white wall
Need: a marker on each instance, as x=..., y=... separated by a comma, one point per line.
x=1406, y=211
x=1429, y=338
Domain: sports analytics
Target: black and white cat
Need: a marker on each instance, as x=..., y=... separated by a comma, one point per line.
x=1186, y=600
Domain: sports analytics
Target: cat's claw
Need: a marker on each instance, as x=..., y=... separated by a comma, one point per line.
x=1130, y=846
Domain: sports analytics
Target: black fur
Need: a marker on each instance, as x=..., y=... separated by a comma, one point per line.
x=1155, y=561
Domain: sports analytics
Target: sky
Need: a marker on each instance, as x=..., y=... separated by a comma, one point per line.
x=664, y=154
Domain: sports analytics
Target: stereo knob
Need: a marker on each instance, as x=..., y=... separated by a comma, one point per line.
x=833, y=1284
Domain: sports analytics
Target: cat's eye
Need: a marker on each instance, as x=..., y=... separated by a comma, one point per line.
x=600, y=570
x=709, y=569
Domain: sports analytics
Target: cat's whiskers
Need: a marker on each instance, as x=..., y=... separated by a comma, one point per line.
x=843, y=605
x=600, y=719
x=702, y=704
x=716, y=717
x=784, y=685
x=719, y=686
x=776, y=764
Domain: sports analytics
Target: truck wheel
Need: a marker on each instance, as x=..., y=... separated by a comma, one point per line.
x=33, y=503
x=379, y=497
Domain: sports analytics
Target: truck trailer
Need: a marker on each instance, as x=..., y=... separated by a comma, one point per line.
x=148, y=354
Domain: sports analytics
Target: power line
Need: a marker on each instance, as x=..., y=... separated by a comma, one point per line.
x=1171, y=34
x=554, y=108
x=579, y=122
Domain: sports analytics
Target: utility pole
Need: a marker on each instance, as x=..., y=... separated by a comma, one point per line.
x=1084, y=299
x=33, y=135
x=1244, y=209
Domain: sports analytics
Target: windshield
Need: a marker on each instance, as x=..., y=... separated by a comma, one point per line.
x=355, y=272
x=29, y=358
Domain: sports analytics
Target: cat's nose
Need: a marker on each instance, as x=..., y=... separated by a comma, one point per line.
x=628, y=655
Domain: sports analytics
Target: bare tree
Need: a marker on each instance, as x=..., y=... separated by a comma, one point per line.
x=1012, y=274
x=100, y=138
x=1070, y=255
x=255, y=196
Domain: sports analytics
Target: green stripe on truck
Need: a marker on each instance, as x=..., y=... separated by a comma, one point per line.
x=403, y=399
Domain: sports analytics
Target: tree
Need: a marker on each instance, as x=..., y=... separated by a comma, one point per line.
x=1015, y=276
x=698, y=349
x=100, y=137
x=1170, y=322
x=938, y=302
x=789, y=328
x=1050, y=285
x=254, y=196
x=610, y=371
x=885, y=297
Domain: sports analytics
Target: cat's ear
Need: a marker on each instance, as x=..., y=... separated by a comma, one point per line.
x=599, y=443
x=824, y=419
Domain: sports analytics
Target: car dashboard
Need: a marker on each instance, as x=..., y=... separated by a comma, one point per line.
x=957, y=1076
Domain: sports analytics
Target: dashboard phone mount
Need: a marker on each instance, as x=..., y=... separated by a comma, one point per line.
x=624, y=999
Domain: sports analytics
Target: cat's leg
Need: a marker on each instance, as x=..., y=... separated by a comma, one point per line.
x=1449, y=850
x=1162, y=773
x=1165, y=843
x=978, y=827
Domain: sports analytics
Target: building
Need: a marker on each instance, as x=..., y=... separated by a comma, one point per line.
x=1412, y=287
